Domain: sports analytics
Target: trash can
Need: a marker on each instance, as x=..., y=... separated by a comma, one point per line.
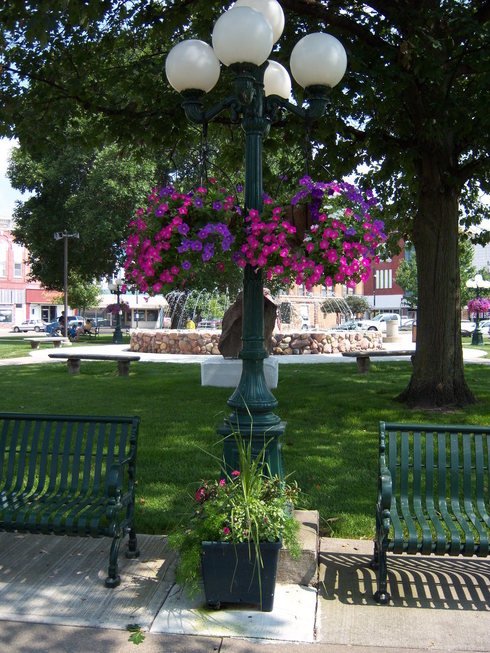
x=414, y=332
x=391, y=330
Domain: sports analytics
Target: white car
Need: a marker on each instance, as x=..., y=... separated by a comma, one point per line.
x=379, y=322
x=30, y=325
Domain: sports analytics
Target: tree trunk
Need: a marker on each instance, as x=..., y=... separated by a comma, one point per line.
x=438, y=374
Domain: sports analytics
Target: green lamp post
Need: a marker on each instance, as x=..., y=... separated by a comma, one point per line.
x=242, y=39
x=115, y=287
x=477, y=284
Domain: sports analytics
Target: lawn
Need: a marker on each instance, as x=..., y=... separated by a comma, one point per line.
x=14, y=346
x=330, y=444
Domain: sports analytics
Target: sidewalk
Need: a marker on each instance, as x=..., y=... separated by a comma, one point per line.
x=53, y=600
x=470, y=355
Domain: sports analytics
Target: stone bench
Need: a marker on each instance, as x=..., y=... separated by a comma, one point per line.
x=363, y=358
x=57, y=341
x=74, y=359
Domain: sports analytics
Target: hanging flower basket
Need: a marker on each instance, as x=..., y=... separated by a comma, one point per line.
x=328, y=233
x=479, y=305
x=122, y=307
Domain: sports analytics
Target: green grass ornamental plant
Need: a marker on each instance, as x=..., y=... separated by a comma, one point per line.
x=246, y=506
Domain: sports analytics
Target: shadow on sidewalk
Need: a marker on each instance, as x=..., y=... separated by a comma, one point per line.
x=415, y=581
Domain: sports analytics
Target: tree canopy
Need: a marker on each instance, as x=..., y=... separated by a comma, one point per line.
x=410, y=108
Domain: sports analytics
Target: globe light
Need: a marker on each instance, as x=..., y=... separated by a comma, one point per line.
x=272, y=11
x=192, y=64
x=318, y=60
x=242, y=35
x=277, y=80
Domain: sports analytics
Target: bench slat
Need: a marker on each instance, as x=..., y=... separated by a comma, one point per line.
x=440, y=542
x=418, y=492
x=480, y=477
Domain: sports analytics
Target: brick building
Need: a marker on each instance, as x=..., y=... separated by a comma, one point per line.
x=20, y=298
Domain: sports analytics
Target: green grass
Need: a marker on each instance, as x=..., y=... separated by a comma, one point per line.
x=330, y=443
x=14, y=346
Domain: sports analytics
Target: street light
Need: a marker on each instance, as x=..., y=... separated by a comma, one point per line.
x=242, y=39
x=477, y=284
x=115, y=287
x=64, y=235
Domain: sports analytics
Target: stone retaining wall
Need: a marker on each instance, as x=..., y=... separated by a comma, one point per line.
x=176, y=341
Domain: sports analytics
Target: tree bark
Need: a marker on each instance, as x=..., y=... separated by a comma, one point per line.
x=438, y=373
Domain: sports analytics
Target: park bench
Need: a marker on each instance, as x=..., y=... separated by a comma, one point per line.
x=56, y=341
x=74, y=359
x=363, y=358
x=432, y=493
x=69, y=475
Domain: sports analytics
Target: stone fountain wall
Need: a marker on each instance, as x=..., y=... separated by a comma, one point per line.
x=182, y=341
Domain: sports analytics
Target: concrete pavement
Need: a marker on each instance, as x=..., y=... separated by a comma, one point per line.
x=53, y=600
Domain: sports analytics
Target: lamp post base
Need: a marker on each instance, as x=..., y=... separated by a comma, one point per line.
x=117, y=336
x=258, y=438
x=477, y=337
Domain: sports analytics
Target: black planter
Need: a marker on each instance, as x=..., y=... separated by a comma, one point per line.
x=230, y=574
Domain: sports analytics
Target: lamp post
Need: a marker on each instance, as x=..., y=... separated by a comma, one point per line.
x=477, y=284
x=242, y=39
x=64, y=235
x=115, y=287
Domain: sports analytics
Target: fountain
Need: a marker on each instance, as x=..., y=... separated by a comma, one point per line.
x=197, y=304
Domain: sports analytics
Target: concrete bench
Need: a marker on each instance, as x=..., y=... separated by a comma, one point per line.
x=74, y=359
x=57, y=341
x=363, y=358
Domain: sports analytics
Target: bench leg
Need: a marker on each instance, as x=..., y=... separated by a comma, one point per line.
x=35, y=345
x=363, y=364
x=123, y=367
x=113, y=579
x=133, y=551
x=57, y=344
x=73, y=365
x=379, y=561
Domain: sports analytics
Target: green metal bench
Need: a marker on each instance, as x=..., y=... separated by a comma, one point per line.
x=432, y=493
x=70, y=475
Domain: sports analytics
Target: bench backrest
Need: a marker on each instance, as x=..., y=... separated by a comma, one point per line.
x=440, y=472
x=58, y=453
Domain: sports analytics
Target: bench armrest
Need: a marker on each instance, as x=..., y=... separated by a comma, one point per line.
x=115, y=478
x=385, y=491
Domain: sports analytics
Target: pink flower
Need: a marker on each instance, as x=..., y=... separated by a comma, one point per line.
x=226, y=530
x=222, y=482
x=235, y=472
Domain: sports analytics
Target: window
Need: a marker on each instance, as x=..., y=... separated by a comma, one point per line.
x=3, y=258
x=384, y=279
x=18, y=257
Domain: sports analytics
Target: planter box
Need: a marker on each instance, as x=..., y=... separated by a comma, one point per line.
x=230, y=574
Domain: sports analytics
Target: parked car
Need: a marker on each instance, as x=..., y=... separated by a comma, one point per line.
x=209, y=324
x=467, y=327
x=407, y=325
x=30, y=325
x=76, y=321
x=379, y=322
x=351, y=325
x=53, y=328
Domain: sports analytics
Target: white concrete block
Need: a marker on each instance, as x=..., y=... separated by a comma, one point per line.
x=225, y=372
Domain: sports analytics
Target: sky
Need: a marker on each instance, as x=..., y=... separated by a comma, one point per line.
x=8, y=195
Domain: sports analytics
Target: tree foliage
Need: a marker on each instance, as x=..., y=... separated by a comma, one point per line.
x=418, y=70
x=92, y=193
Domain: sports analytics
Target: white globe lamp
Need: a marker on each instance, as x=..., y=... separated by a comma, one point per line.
x=272, y=11
x=318, y=60
x=277, y=80
x=242, y=35
x=192, y=64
